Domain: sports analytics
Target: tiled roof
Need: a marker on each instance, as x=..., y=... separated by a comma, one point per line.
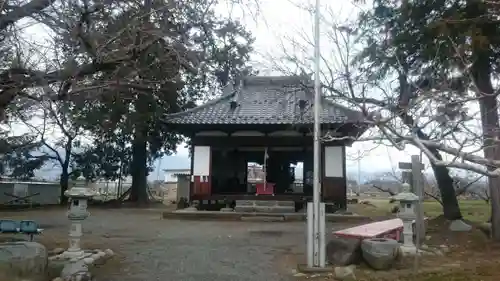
x=266, y=100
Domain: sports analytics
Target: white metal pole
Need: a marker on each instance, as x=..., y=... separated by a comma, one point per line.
x=322, y=230
x=317, y=133
x=310, y=234
x=264, y=168
x=359, y=172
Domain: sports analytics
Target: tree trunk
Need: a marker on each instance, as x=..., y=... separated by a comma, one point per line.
x=139, y=169
x=481, y=74
x=64, y=183
x=489, y=120
x=138, y=192
x=451, y=208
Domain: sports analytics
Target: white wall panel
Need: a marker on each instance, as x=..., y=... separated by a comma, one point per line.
x=201, y=161
x=334, y=162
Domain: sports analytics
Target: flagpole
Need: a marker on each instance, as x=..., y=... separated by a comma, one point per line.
x=318, y=231
x=264, y=168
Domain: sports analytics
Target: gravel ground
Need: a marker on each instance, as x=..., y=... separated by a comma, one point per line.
x=157, y=249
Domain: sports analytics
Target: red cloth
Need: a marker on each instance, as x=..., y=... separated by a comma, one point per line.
x=268, y=189
x=202, y=185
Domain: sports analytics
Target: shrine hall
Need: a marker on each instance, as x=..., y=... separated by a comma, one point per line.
x=267, y=120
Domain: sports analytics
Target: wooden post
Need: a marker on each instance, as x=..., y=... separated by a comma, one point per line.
x=418, y=189
x=412, y=174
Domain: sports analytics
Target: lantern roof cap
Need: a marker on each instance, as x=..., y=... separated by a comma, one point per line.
x=405, y=197
x=80, y=192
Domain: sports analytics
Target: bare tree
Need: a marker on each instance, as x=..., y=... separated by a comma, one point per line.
x=464, y=186
x=397, y=119
x=90, y=49
x=57, y=133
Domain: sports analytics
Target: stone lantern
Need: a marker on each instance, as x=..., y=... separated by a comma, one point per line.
x=407, y=214
x=75, y=260
x=77, y=212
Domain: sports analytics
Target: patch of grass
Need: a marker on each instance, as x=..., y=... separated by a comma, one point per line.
x=376, y=208
x=472, y=210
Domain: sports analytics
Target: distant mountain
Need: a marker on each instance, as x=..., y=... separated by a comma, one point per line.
x=51, y=171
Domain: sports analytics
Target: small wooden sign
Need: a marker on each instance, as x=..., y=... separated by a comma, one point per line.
x=407, y=177
x=408, y=166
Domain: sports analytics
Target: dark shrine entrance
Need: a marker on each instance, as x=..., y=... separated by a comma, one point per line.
x=232, y=170
x=267, y=121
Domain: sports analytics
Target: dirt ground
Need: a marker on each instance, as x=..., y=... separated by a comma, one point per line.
x=150, y=248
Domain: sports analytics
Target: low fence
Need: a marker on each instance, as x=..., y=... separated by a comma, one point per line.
x=23, y=193
x=48, y=193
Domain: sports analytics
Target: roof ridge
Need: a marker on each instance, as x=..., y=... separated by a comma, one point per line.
x=276, y=81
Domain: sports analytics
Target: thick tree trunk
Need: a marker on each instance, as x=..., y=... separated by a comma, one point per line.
x=489, y=118
x=481, y=73
x=139, y=171
x=451, y=208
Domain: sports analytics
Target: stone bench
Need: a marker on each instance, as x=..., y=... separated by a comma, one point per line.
x=382, y=229
x=26, y=227
x=392, y=229
x=344, y=248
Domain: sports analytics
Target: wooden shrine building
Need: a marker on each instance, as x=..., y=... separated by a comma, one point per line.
x=269, y=121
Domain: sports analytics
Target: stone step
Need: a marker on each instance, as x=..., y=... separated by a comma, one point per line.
x=274, y=209
x=286, y=203
x=264, y=209
x=263, y=218
x=244, y=209
x=265, y=203
x=244, y=202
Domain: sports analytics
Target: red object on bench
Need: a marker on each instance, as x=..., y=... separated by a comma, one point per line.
x=262, y=189
x=382, y=229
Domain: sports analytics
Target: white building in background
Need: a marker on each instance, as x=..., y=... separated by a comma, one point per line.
x=171, y=174
x=172, y=182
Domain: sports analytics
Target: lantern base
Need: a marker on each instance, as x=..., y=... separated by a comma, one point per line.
x=75, y=264
x=73, y=254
